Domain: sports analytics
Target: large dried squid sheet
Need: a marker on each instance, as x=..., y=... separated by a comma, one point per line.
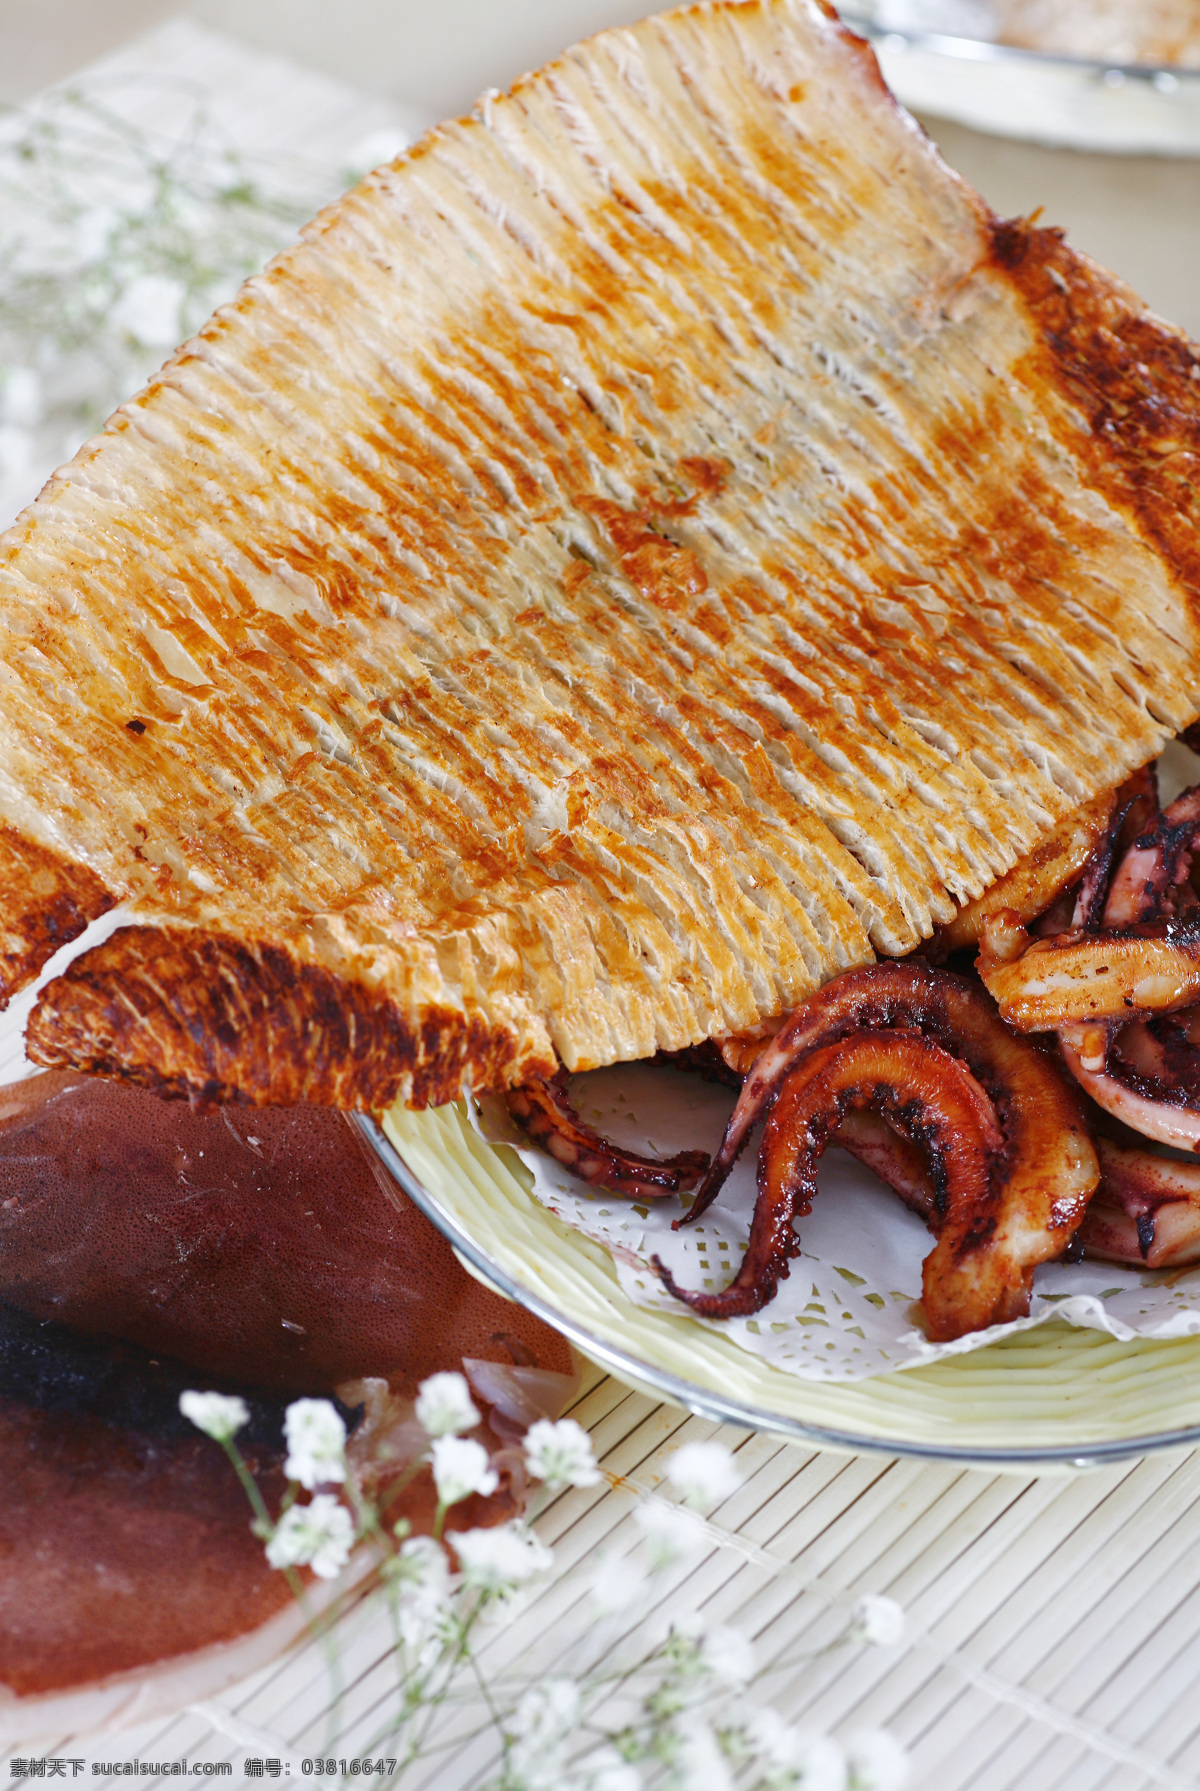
x=444, y=673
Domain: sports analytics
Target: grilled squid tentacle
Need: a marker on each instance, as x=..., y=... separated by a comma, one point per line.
x=1147, y=880
x=543, y=1109
x=930, y=1098
x=1146, y=1211
x=998, y=1216
x=1031, y=1094
x=1136, y=809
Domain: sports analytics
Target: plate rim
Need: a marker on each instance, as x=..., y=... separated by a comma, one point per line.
x=704, y=1402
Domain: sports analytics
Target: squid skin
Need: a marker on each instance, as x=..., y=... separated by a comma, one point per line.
x=1149, y=878
x=1147, y=1094
x=894, y=1159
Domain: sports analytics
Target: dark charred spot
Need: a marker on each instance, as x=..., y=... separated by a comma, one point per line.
x=135, y=726
x=980, y=1233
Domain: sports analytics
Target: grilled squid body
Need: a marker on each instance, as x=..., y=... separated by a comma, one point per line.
x=1083, y=978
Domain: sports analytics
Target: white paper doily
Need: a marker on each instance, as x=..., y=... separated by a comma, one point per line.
x=846, y=1311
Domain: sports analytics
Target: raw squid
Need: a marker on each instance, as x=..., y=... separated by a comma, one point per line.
x=144, y=1248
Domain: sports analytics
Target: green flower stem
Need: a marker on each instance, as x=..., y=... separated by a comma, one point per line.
x=320, y=1626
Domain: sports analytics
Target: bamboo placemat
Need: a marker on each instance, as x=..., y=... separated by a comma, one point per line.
x=1054, y=1623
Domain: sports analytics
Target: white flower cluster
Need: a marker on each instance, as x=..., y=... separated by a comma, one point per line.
x=787, y=1758
x=879, y=1620
x=444, y=1405
x=316, y=1441
x=541, y=1731
x=705, y=1474
x=421, y=1577
x=502, y=1560
x=319, y=1535
x=694, y=1723
x=560, y=1454
x=218, y=1415
x=460, y=1468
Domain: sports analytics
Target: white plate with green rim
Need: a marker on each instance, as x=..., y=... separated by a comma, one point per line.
x=1051, y=1397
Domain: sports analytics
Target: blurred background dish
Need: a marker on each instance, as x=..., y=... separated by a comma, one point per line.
x=1116, y=75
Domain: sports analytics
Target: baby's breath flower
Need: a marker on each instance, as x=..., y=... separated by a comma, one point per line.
x=319, y=1535
x=671, y=1534
x=316, y=1440
x=547, y=1714
x=421, y=1575
x=700, y=1764
x=421, y=1572
x=876, y=1762
x=460, y=1468
x=792, y=1759
x=499, y=1561
x=728, y=1656
x=617, y=1581
x=560, y=1454
x=444, y=1405
x=770, y=1741
x=606, y=1771
x=877, y=1619
x=704, y=1473
x=218, y=1415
